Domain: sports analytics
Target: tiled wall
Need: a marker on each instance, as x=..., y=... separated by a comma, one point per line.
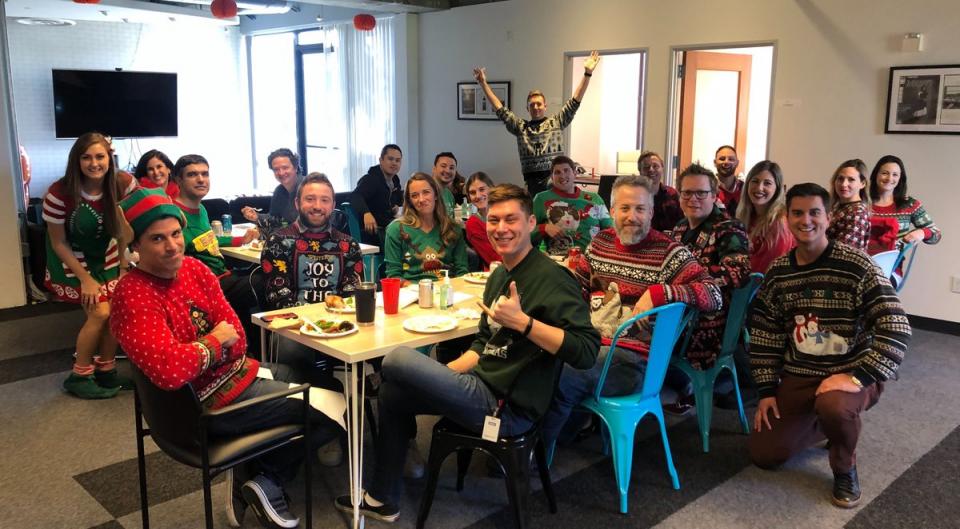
x=212, y=92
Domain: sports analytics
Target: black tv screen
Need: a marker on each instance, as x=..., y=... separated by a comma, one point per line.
x=118, y=104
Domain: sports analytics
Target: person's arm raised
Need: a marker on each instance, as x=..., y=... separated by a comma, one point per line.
x=589, y=65
x=480, y=74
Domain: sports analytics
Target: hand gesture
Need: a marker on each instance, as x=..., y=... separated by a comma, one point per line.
x=369, y=223
x=249, y=213
x=507, y=311
x=89, y=293
x=591, y=62
x=480, y=74
x=251, y=235
x=763, y=408
x=838, y=382
x=644, y=304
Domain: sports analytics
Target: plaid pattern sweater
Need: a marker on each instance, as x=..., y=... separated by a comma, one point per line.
x=909, y=217
x=837, y=314
x=658, y=264
x=539, y=141
x=720, y=245
x=850, y=224
x=164, y=327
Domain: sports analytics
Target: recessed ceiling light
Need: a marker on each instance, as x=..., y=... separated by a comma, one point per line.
x=33, y=21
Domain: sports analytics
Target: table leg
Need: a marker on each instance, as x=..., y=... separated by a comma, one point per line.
x=355, y=437
x=263, y=344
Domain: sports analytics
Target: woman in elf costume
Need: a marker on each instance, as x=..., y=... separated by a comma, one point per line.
x=86, y=234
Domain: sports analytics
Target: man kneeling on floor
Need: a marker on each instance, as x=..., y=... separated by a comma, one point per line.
x=535, y=320
x=172, y=319
x=826, y=331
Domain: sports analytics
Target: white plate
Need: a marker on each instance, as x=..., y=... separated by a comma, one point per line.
x=477, y=278
x=430, y=324
x=350, y=307
x=306, y=330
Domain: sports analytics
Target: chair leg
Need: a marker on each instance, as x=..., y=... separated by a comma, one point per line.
x=666, y=449
x=142, y=468
x=543, y=465
x=434, y=462
x=518, y=484
x=736, y=391
x=464, y=456
x=703, y=397
x=207, y=501
x=621, y=439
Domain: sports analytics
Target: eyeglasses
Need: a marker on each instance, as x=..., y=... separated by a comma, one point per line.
x=701, y=194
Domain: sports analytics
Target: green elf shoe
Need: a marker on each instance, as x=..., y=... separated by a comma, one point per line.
x=86, y=387
x=111, y=379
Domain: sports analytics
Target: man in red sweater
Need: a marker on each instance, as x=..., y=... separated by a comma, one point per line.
x=176, y=326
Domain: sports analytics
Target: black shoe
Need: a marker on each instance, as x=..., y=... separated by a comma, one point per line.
x=268, y=501
x=846, y=488
x=385, y=513
x=236, y=505
x=681, y=407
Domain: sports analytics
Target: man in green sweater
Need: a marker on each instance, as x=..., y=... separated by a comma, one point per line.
x=826, y=331
x=536, y=320
x=192, y=174
x=568, y=216
x=445, y=174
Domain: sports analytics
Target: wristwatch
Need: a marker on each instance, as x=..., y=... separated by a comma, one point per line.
x=856, y=381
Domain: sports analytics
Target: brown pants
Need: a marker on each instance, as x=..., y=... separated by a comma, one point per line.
x=806, y=419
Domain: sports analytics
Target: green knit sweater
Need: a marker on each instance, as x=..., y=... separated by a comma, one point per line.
x=200, y=242
x=413, y=255
x=550, y=295
x=579, y=216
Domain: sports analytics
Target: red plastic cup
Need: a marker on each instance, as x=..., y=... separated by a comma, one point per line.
x=391, y=294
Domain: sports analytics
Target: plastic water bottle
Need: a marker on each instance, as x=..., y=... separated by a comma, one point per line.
x=465, y=209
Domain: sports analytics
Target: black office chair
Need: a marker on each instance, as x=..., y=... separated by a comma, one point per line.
x=511, y=453
x=216, y=208
x=178, y=424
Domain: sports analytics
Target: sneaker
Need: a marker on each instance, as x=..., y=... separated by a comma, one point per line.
x=236, y=505
x=269, y=503
x=331, y=454
x=846, y=488
x=681, y=407
x=112, y=379
x=86, y=387
x=414, y=467
x=384, y=513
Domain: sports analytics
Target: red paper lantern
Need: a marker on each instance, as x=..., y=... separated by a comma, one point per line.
x=364, y=22
x=86, y=1
x=224, y=8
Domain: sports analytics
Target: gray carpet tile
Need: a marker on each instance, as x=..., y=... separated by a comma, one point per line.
x=926, y=495
x=48, y=332
x=117, y=486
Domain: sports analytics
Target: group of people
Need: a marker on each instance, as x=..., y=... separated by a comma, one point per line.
x=827, y=329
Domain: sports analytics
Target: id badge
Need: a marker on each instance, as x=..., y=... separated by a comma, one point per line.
x=491, y=429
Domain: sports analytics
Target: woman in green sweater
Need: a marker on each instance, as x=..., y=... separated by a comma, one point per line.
x=424, y=241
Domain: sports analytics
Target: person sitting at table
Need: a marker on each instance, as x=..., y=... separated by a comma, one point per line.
x=378, y=195
x=285, y=165
x=648, y=269
x=568, y=216
x=192, y=174
x=850, y=212
x=478, y=187
x=424, y=240
x=449, y=182
x=535, y=321
x=153, y=172
x=888, y=191
x=763, y=211
x=172, y=320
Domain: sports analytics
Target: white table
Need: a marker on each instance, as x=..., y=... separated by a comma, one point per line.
x=386, y=334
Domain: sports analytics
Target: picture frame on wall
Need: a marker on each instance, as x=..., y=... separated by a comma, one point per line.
x=472, y=103
x=923, y=100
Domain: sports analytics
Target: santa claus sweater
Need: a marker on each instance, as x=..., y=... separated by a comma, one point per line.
x=164, y=327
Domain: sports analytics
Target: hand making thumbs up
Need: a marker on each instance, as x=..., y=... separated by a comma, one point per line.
x=507, y=310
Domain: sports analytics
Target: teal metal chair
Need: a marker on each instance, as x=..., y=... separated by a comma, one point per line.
x=704, y=379
x=891, y=260
x=621, y=415
x=369, y=261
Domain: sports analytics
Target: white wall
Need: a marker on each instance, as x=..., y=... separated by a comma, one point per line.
x=213, y=111
x=832, y=65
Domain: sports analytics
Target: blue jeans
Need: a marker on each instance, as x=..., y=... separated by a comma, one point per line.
x=624, y=377
x=280, y=464
x=414, y=384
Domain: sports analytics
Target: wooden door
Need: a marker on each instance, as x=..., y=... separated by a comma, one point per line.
x=714, y=100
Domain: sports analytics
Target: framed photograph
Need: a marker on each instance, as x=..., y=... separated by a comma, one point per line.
x=473, y=104
x=923, y=100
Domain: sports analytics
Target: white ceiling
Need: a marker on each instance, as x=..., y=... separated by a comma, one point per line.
x=133, y=11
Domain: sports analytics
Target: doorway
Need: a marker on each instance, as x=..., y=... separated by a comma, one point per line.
x=719, y=96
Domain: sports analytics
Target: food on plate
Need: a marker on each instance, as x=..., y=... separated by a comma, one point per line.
x=339, y=303
x=256, y=245
x=478, y=275
x=332, y=326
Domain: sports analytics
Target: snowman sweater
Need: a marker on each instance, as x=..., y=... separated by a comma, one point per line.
x=837, y=314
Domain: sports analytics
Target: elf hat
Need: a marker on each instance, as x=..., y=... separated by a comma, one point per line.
x=145, y=206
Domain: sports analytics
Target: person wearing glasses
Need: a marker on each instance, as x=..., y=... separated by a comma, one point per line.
x=720, y=245
x=763, y=211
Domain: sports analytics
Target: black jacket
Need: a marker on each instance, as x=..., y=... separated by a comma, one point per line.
x=373, y=195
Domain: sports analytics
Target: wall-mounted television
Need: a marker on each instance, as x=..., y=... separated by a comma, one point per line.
x=117, y=103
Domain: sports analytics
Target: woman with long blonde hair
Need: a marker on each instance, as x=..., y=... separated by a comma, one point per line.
x=424, y=240
x=86, y=234
x=763, y=211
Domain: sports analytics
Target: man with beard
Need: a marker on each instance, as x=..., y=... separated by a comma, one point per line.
x=666, y=202
x=192, y=174
x=650, y=270
x=450, y=183
x=568, y=216
x=378, y=195
x=726, y=162
x=539, y=139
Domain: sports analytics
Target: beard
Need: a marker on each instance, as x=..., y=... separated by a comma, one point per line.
x=634, y=234
x=305, y=221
